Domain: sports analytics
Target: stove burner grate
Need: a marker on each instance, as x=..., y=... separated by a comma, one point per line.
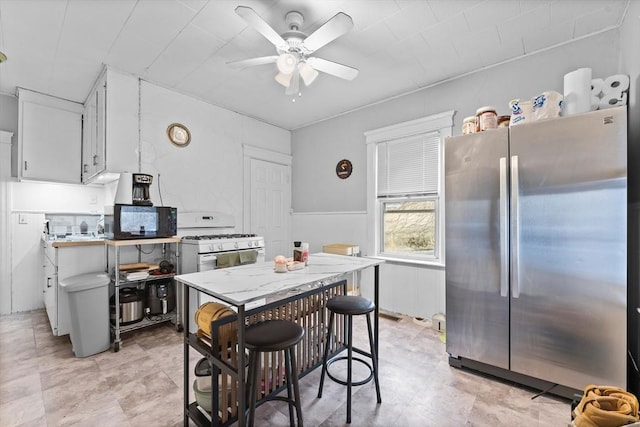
x=219, y=236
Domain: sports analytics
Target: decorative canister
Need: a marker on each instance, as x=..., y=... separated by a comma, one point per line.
x=469, y=125
x=503, y=121
x=487, y=118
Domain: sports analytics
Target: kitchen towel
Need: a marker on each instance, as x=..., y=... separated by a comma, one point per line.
x=248, y=257
x=577, y=92
x=613, y=99
x=615, y=83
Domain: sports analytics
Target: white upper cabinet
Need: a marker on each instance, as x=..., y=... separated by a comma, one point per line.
x=93, y=133
x=110, y=140
x=49, y=138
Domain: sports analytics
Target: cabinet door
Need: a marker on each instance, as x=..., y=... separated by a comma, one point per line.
x=93, y=134
x=49, y=138
x=99, y=157
x=122, y=118
x=50, y=289
x=89, y=135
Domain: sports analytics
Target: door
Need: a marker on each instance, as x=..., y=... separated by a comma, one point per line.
x=271, y=205
x=476, y=247
x=568, y=307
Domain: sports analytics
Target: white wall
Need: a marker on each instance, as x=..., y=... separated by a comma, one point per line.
x=316, y=149
x=208, y=173
x=321, y=228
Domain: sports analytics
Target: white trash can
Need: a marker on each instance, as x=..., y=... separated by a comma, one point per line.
x=89, y=312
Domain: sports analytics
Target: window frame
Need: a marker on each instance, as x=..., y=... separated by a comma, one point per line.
x=441, y=123
x=435, y=198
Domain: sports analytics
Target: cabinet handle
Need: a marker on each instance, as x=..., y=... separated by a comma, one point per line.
x=48, y=282
x=95, y=159
x=85, y=168
x=25, y=165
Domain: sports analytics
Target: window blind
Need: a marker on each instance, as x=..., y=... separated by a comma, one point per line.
x=409, y=165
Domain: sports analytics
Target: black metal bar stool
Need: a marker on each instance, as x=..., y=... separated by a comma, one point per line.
x=271, y=336
x=349, y=306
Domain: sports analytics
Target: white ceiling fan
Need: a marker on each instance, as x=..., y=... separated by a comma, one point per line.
x=294, y=49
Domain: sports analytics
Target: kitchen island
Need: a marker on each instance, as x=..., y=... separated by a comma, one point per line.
x=299, y=295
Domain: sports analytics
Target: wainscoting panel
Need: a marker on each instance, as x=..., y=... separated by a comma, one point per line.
x=409, y=289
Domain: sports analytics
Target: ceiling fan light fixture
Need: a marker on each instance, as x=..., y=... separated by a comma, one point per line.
x=283, y=79
x=286, y=63
x=308, y=73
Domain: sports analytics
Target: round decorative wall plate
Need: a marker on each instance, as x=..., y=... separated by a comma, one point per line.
x=179, y=134
x=344, y=169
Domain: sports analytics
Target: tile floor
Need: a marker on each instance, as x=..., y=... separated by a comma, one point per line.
x=43, y=384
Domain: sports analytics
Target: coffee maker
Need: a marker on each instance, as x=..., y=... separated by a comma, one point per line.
x=133, y=189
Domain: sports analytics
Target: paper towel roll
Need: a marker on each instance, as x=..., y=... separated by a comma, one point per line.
x=577, y=92
x=596, y=86
x=595, y=102
x=614, y=99
x=617, y=82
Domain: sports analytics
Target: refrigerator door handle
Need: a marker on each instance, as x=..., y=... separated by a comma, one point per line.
x=504, y=230
x=515, y=229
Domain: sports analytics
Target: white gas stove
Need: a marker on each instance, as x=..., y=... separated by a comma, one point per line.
x=209, y=241
x=224, y=242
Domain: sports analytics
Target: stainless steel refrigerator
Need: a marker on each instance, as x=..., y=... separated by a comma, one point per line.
x=536, y=250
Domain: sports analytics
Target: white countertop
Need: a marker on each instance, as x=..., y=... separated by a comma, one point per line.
x=242, y=284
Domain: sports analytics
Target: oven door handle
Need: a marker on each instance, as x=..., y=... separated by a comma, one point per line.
x=207, y=262
x=202, y=258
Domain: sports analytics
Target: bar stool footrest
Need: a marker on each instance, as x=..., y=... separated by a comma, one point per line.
x=353, y=383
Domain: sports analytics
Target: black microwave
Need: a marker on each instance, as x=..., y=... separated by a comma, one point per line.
x=140, y=222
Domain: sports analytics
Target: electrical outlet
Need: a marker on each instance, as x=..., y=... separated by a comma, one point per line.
x=22, y=219
x=93, y=199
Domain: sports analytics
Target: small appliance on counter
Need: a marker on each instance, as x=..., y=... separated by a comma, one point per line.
x=131, y=306
x=161, y=296
x=139, y=222
x=133, y=189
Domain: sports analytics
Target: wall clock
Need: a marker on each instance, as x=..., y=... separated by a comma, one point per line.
x=179, y=134
x=344, y=169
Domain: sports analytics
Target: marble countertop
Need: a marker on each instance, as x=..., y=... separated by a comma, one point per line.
x=242, y=284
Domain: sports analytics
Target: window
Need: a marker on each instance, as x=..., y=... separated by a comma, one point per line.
x=405, y=196
x=409, y=226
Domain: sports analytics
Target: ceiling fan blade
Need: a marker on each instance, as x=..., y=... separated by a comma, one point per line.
x=294, y=85
x=243, y=63
x=261, y=26
x=333, y=68
x=340, y=24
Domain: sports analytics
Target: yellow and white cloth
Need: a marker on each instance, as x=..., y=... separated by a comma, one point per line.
x=605, y=406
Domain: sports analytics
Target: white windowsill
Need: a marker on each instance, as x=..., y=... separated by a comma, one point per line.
x=436, y=264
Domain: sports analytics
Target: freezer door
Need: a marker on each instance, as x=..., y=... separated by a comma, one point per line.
x=476, y=235
x=569, y=216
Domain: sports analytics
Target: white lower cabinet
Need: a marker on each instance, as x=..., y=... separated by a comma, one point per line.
x=60, y=262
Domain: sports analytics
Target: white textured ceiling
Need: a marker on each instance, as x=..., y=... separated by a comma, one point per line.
x=58, y=47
